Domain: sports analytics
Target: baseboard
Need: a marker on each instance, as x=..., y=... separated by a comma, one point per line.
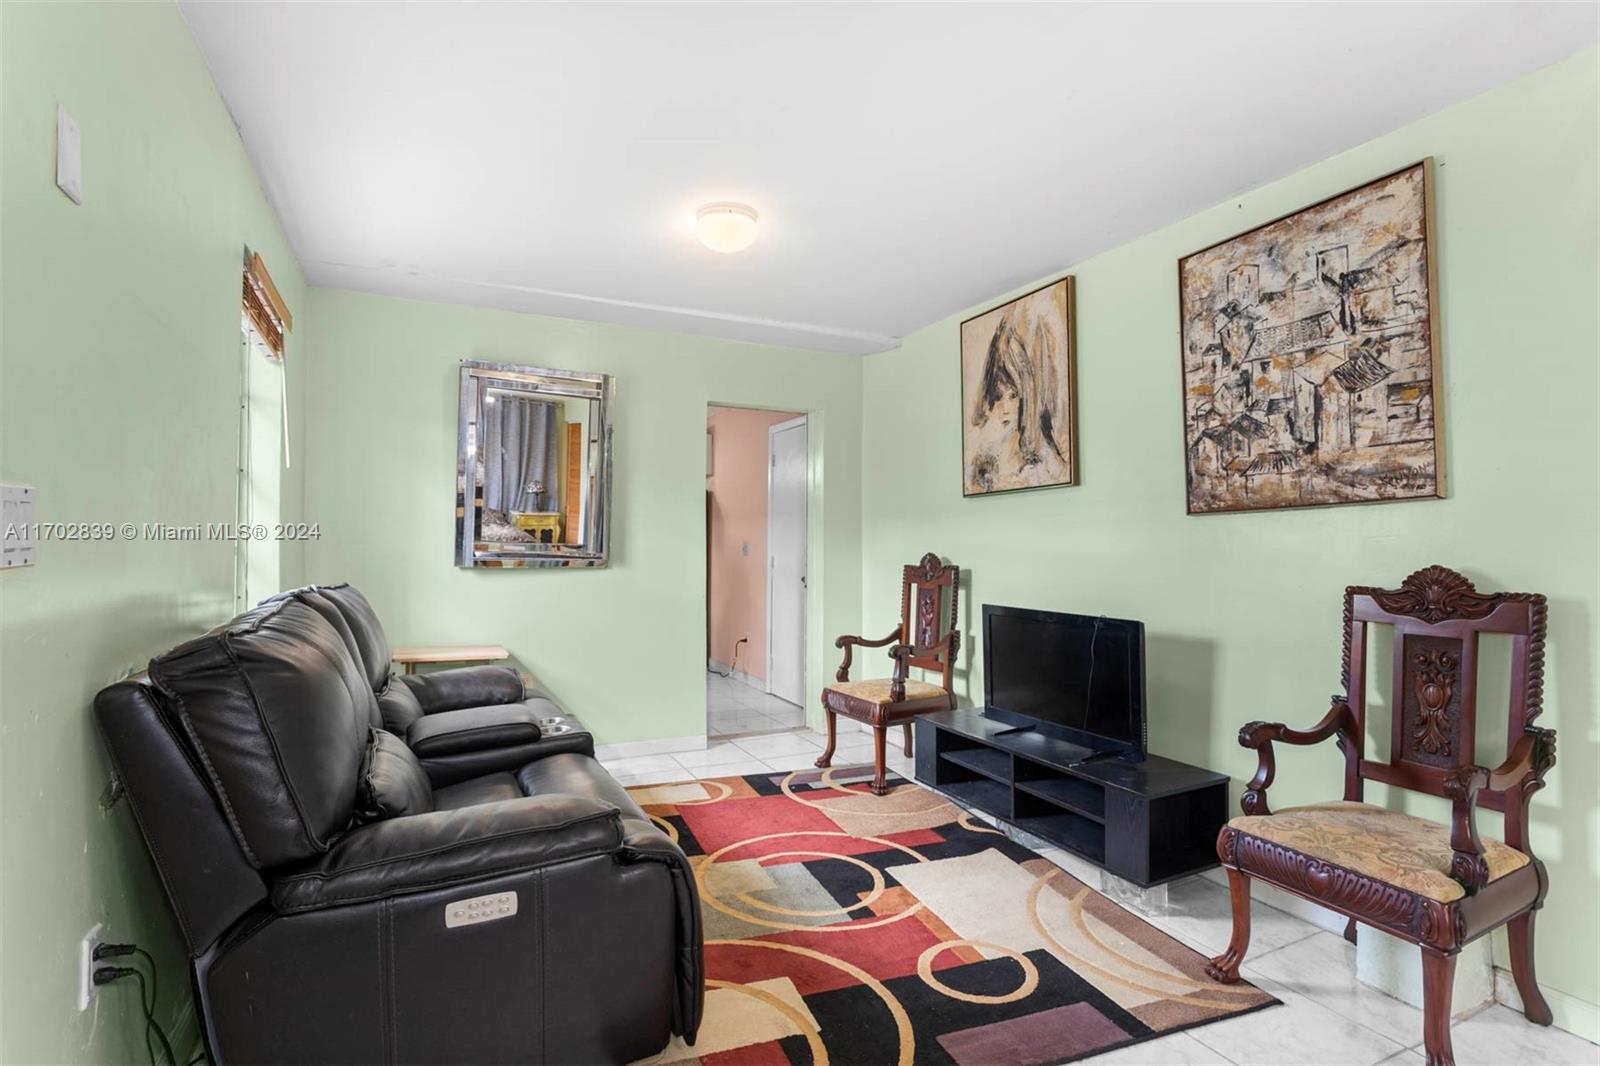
x=629, y=749
x=726, y=670
x=1577, y=1016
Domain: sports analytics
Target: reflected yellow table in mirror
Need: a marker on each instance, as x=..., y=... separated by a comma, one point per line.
x=538, y=523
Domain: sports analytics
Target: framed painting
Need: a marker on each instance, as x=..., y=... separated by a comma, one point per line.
x=1311, y=355
x=1019, y=394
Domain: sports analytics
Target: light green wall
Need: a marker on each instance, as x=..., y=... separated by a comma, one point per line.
x=119, y=379
x=624, y=646
x=119, y=392
x=1242, y=611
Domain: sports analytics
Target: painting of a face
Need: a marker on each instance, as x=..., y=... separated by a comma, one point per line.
x=1018, y=399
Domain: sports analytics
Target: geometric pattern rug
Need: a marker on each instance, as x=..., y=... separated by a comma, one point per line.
x=849, y=928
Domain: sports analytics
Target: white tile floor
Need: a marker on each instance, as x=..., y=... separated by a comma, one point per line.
x=735, y=707
x=790, y=749
x=1328, y=1017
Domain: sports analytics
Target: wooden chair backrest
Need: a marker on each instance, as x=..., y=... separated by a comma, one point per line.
x=1438, y=617
x=925, y=587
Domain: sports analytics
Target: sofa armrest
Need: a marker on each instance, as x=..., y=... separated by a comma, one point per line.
x=440, y=848
x=472, y=729
x=445, y=770
x=464, y=686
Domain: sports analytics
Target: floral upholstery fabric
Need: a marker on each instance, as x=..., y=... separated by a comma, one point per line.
x=877, y=691
x=1398, y=849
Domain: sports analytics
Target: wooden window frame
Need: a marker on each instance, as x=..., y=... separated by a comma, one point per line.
x=264, y=306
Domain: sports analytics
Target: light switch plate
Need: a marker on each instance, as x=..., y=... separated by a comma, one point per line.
x=19, y=537
x=69, y=156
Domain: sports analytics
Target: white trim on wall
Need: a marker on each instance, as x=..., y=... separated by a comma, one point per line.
x=629, y=749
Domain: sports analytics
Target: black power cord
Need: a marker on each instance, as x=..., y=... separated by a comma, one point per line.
x=105, y=975
x=116, y=951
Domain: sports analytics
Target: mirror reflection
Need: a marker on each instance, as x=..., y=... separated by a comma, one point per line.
x=533, y=462
x=535, y=443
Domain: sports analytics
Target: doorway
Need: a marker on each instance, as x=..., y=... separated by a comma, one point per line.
x=756, y=487
x=786, y=561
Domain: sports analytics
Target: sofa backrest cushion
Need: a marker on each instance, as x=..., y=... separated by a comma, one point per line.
x=318, y=599
x=393, y=783
x=400, y=707
x=366, y=630
x=277, y=712
x=209, y=882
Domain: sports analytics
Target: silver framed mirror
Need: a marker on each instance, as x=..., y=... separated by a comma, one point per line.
x=533, y=467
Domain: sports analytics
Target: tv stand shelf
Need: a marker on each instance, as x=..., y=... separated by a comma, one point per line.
x=1148, y=821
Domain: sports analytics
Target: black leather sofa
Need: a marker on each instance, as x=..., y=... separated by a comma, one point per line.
x=370, y=868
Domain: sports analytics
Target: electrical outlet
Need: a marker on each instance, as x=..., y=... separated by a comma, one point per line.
x=86, y=964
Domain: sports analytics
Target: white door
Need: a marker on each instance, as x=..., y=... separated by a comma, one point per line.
x=786, y=561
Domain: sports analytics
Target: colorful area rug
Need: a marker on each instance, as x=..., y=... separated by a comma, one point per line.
x=848, y=928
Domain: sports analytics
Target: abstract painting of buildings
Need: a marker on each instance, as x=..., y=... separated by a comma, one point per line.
x=1310, y=355
x=1018, y=394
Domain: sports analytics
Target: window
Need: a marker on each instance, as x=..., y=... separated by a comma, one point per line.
x=263, y=435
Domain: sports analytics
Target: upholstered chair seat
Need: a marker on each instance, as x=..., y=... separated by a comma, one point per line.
x=1398, y=849
x=875, y=693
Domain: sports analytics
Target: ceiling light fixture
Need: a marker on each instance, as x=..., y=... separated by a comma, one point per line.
x=726, y=227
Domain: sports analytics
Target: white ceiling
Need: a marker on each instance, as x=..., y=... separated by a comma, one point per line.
x=908, y=160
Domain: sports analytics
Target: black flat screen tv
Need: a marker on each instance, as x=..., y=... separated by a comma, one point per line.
x=1082, y=674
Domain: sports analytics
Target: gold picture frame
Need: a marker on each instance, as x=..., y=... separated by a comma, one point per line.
x=1019, y=393
x=1310, y=356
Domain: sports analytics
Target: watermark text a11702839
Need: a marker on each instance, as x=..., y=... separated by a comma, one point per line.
x=162, y=531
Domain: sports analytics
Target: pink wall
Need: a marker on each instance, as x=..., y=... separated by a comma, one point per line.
x=738, y=487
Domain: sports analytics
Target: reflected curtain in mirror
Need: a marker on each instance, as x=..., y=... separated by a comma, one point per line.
x=520, y=452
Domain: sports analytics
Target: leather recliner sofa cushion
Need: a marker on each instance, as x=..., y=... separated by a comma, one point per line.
x=473, y=729
x=448, y=847
x=464, y=686
x=278, y=713
x=393, y=783
x=371, y=643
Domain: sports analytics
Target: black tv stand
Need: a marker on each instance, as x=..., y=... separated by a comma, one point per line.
x=1110, y=753
x=1147, y=821
x=1015, y=729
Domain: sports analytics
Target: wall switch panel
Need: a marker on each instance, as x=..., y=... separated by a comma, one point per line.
x=480, y=909
x=69, y=156
x=19, y=537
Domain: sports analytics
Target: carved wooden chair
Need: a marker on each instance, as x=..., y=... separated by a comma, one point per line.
x=919, y=641
x=1436, y=886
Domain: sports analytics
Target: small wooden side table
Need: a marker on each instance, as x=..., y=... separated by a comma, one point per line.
x=539, y=523
x=409, y=657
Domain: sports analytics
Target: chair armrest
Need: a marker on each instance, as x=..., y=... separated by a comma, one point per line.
x=902, y=654
x=464, y=686
x=472, y=729
x=439, y=848
x=1534, y=753
x=849, y=642
x=1526, y=764
x=1340, y=721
